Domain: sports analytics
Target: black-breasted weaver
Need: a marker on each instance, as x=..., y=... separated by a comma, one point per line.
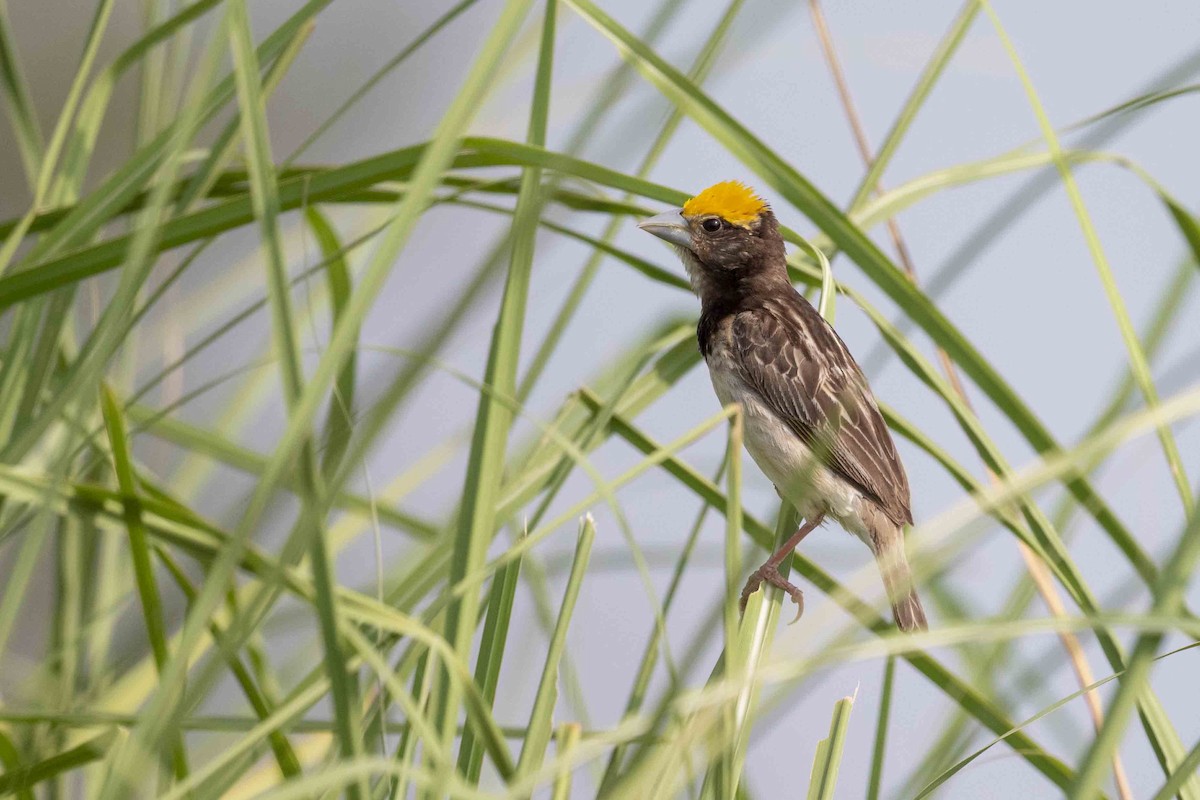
x=811, y=422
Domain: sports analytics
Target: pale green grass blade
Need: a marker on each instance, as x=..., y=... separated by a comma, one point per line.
x=951, y=771
x=1137, y=358
x=566, y=740
x=49, y=160
x=21, y=113
x=1168, y=600
x=73, y=567
x=285, y=755
x=224, y=147
x=29, y=776
x=13, y=378
x=742, y=660
x=828, y=759
x=264, y=194
x=701, y=67
x=930, y=74
x=733, y=541
x=541, y=717
x=1182, y=774
x=202, y=442
x=152, y=81
x=492, y=647
x=312, y=523
x=339, y=419
x=637, y=694
x=875, y=779
x=477, y=520
x=139, y=549
x=828, y=289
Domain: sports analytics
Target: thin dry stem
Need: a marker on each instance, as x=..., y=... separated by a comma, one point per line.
x=1037, y=570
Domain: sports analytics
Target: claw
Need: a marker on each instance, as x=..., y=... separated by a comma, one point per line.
x=770, y=573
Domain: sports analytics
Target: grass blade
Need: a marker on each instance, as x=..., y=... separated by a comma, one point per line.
x=139, y=549
x=266, y=209
x=477, y=518
x=828, y=759
x=875, y=781
x=21, y=113
x=541, y=718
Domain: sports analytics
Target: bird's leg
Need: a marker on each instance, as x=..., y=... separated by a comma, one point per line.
x=769, y=571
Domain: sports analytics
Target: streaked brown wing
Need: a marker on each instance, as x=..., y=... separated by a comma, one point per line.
x=806, y=375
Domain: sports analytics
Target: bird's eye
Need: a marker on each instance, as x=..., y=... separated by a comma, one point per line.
x=712, y=224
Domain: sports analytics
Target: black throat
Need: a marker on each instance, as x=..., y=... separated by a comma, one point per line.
x=748, y=291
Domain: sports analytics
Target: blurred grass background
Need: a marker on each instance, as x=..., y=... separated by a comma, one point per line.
x=354, y=443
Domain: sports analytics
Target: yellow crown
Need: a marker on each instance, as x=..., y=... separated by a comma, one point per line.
x=732, y=201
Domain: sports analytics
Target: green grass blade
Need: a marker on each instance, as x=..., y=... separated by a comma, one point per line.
x=266, y=208
x=1182, y=774
x=828, y=759
x=139, y=549
x=29, y=776
x=339, y=419
x=207, y=443
x=492, y=647
x=21, y=113
x=477, y=520
x=566, y=740
x=541, y=717
x=930, y=74
x=285, y=755
x=1168, y=599
x=224, y=147
x=1137, y=358
x=875, y=779
x=49, y=160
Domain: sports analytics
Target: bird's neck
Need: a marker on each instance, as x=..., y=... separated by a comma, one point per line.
x=726, y=291
x=724, y=295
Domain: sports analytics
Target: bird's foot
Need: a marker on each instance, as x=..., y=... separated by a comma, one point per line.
x=770, y=574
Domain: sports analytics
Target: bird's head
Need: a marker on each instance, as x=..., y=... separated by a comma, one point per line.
x=727, y=237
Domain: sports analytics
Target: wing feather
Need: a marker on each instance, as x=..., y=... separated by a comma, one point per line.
x=802, y=369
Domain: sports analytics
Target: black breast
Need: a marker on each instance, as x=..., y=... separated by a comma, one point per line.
x=712, y=317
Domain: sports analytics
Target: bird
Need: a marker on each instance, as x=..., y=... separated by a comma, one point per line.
x=811, y=423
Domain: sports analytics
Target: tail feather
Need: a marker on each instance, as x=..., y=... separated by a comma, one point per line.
x=897, y=577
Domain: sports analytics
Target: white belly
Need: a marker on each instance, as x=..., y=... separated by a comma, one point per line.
x=785, y=459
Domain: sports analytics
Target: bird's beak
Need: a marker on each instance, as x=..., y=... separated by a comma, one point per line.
x=669, y=226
